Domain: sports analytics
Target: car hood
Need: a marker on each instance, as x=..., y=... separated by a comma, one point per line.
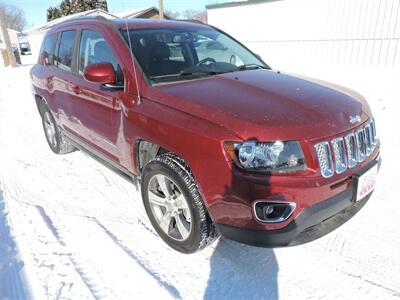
x=266, y=105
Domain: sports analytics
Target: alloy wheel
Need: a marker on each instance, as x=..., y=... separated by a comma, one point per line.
x=50, y=129
x=169, y=207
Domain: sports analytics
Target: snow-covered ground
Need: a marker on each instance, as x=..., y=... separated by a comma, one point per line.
x=72, y=229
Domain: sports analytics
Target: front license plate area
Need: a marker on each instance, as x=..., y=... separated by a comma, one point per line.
x=365, y=183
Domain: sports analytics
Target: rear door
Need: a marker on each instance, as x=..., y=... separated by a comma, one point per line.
x=62, y=81
x=96, y=108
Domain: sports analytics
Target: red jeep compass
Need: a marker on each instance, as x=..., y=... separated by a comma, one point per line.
x=220, y=142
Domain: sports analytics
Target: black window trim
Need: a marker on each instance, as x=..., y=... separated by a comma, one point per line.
x=73, y=64
x=52, y=50
x=76, y=61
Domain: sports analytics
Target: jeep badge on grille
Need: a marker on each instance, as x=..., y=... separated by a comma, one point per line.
x=355, y=119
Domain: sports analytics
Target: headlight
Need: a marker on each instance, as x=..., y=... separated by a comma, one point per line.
x=269, y=156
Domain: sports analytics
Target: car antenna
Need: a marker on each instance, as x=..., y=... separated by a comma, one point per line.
x=138, y=98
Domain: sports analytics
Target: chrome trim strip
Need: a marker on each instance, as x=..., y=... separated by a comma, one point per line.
x=292, y=206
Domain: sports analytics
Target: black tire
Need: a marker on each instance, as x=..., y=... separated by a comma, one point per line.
x=203, y=231
x=60, y=145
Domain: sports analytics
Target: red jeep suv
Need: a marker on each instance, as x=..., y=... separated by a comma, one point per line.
x=219, y=142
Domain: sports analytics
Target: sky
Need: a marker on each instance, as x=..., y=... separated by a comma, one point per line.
x=35, y=10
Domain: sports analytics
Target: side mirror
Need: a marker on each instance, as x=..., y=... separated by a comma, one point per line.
x=102, y=73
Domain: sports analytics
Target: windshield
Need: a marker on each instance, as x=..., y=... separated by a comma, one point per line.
x=173, y=54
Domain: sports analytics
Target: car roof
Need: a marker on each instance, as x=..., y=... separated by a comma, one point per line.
x=133, y=23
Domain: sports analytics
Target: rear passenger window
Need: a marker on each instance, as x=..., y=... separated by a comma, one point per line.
x=48, y=49
x=66, y=50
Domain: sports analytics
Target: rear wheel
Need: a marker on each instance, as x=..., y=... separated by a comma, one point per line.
x=57, y=142
x=174, y=205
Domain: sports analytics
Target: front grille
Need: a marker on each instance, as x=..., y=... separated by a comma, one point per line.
x=346, y=152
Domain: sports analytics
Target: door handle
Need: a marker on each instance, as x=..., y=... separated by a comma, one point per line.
x=77, y=90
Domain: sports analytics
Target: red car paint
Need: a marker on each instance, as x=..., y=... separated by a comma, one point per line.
x=194, y=118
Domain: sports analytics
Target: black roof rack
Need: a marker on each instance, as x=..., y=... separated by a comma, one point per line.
x=79, y=18
x=191, y=21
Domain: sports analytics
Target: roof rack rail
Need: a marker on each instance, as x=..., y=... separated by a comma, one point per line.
x=191, y=21
x=101, y=18
x=78, y=18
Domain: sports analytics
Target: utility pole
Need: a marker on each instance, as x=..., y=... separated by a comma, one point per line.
x=161, y=8
x=6, y=38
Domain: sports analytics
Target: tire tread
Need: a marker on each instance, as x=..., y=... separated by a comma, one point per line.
x=208, y=231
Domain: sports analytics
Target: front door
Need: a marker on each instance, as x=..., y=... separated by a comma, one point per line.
x=97, y=108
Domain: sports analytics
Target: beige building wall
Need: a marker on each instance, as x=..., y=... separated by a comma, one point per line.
x=13, y=34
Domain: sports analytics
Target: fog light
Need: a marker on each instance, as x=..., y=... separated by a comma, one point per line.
x=273, y=212
x=268, y=209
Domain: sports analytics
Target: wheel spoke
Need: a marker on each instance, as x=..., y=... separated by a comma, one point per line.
x=169, y=207
x=156, y=200
x=181, y=202
x=50, y=129
x=54, y=140
x=183, y=225
x=166, y=221
x=164, y=184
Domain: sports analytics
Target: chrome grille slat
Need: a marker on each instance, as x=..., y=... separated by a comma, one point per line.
x=343, y=153
x=339, y=155
x=368, y=139
x=351, y=148
x=361, y=146
x=373, y=133
x=324, y=158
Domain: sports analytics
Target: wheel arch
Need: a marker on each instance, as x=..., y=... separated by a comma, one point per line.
x=41, y=103
x=146, y=151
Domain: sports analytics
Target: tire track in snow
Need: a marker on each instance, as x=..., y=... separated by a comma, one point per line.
x=20, y=194
x=90, y=268
x=85, y=272
x=171, y=288
x=168, y=264
x=339, y=252
x=11, y=279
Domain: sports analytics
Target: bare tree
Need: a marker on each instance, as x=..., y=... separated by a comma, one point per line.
x=192, y=14
x=13, y=17
x=171, y=14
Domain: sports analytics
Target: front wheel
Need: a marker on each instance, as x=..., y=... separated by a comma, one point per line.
x=174, y=205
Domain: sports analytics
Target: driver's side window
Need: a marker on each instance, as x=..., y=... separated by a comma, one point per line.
x=94, y=49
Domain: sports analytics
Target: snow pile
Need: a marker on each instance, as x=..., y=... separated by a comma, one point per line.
x=82, y=233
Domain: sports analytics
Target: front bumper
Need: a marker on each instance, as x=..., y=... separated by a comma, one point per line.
x=312, y=223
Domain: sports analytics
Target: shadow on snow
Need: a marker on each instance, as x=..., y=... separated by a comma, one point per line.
x=11, y=286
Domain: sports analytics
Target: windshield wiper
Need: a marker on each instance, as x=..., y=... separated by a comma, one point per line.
x=184, y=74
x=251, y=67
x=202, y=72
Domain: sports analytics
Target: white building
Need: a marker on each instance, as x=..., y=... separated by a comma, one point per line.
x=296, y=34
x=150, y=12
